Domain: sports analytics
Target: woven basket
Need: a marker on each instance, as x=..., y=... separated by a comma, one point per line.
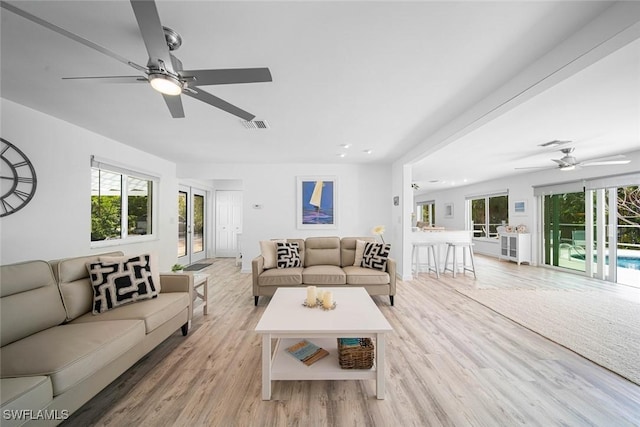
x=356, y=355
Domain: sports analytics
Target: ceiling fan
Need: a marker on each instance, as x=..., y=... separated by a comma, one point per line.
x=164, y=72
x=568, y=162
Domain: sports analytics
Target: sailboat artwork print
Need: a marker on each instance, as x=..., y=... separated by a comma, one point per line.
x=316, y=202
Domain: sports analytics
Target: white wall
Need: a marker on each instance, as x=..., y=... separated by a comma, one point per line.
x=364, y=199
x=57, y=221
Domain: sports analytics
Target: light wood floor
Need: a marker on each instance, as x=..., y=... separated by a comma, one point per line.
x=451, y=362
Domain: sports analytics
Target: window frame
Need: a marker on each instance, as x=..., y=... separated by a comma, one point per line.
x=487, y=204
x=430, y=206
x=126, y=173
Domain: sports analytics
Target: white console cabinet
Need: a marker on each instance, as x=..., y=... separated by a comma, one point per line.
x=516, y=247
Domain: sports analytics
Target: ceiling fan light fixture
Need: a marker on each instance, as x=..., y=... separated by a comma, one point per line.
x=165, y=84
x=567, y=168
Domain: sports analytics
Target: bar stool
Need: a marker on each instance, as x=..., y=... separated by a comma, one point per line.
x=431, y=253
x=452, y=247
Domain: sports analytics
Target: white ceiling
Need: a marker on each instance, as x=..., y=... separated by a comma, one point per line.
x=598, y=110
x=376, y=75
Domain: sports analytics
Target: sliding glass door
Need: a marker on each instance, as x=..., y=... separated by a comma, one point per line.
x=627, y=233
x=595, y=231
x=565, y=231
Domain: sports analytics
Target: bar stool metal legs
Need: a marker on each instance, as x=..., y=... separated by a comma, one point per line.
x=452, y=249
x=431, y=255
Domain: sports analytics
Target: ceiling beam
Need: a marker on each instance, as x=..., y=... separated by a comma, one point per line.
x=616, y=27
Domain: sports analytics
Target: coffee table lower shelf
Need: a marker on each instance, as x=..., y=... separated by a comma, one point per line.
x=286, y=367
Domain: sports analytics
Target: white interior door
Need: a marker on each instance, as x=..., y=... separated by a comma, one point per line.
x=228, y=222
x=192, y=225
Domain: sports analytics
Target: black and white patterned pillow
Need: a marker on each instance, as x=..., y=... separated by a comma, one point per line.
x=375, y=255
x=288, y=255
x=118, y=283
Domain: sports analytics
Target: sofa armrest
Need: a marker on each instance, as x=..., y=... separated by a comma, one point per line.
x=391, y=269
x=257, y=267
x=178, y=282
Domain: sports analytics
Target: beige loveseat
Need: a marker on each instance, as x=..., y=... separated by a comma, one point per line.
x=326, y=261
x=56, y=355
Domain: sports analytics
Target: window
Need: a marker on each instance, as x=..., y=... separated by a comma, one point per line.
x=121, y=203
x=487, y=213
x=426, y=213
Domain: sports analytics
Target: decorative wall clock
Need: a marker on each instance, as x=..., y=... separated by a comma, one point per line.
x=17, y=178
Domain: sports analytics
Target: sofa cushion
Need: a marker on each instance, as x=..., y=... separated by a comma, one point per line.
x=324, y=275
x=75, y=286
x=153, y=264
x=359, y=252
x=269, y=252
x=349, y=247
x=288, y=255
x=118, y=283
x=322, y=251
x=30, y=301
x=154, y=312
x=361, y=276
x=281, y=277
x=70, y=353
x=376, y=255
x=26, y=393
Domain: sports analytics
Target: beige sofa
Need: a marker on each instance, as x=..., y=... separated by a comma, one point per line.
x=56, y=355
x=326, y=261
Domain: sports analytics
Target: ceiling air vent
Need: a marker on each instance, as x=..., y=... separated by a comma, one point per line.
x=255, y=124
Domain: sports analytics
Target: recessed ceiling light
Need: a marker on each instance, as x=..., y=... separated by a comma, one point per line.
x=368, y=151
x=341, y=154
x=434, y=181
x=345, y=145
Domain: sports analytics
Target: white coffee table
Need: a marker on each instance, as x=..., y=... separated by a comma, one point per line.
x=285, y=318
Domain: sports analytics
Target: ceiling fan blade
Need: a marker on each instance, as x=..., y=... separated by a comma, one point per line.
x=152, y=33
x=613, y=160
x=111, y=79
x=561, y=162
x=72, y=36
x=533, y=167
x=206, y=97
x=177, y=64
x=175, y=106
x=228, y=76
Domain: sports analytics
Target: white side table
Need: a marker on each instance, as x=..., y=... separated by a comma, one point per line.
x=238, y=249
x=202, y=280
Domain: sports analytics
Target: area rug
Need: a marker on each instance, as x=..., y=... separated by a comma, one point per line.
x=196, y=267
x=600, y=327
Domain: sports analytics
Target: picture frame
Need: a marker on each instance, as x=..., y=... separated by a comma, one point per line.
x=520, y=208
x=316, y=202
x=448, y=210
